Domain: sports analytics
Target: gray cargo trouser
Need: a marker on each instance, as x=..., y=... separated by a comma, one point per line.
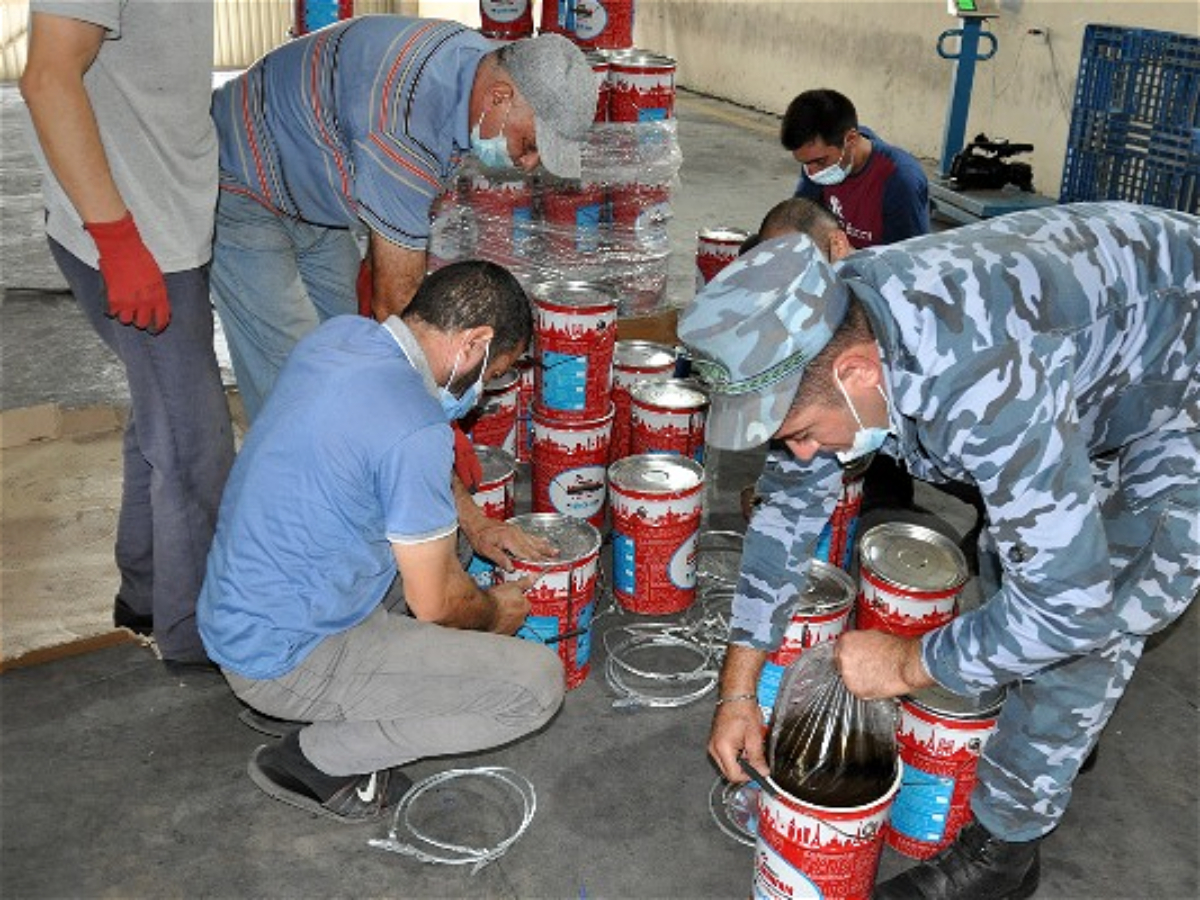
x=178, y=449
x=1051, y=720
x=392, y=690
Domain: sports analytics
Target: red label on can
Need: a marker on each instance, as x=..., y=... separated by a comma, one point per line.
x=506, y=19
x=713, y=255
x=836, y=543
x=561, y=607
x=569, y=467
x=606, y=24
x=642, y=91
x=900, y=611
x=496, y=499
x=940, y=757
x=494, y=421
x=573, y=377
x=659, y=430
x=812, y=852
x=654, y=549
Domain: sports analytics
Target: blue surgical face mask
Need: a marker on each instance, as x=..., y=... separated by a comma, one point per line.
x=831, y=175
x=491, y=152
x=866, y=440
x=457, y=407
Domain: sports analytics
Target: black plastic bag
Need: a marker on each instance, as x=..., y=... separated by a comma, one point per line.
x=828, y=747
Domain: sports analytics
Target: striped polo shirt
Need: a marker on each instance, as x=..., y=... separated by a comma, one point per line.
x=363, y=120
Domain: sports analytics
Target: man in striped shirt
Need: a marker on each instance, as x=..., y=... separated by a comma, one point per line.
x=353, y=130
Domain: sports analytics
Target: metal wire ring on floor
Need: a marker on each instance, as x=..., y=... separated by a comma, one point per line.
x=455, y=854
x=616, y=668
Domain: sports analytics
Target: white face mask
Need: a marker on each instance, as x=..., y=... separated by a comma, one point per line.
x=831, y=175
x=457, y=407
x=493, y=151
x=866, y=440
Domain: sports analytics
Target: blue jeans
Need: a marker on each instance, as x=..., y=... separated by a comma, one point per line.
x=274, y=279
x=178, y=449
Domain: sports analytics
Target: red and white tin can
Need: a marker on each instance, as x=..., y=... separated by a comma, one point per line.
x=493, y=423
x=667, y=417
x=496, y=494
x=506, y=20
x=640, y=212
x=642, y=85
x=558, y=17
x=813, y=852
x=820, y=614
x=503, y=218
x=563, y=602
x=910, y=579
x=634, y=361
x=715, y=249
x=572, y=218
x=574, y=336
x=598, y=60
x=941, y=737
x=656, y=502
x=569, y=468
x=836, y=542
x=525, y=392
x=607, y=24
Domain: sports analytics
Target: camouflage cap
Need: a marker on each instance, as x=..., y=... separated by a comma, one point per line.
x=752, y=330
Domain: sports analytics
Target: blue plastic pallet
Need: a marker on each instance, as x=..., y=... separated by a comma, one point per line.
x=1135, y=128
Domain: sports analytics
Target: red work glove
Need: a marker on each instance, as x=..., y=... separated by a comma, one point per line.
x=137, y=293
x=365, y=288
x=466, y=461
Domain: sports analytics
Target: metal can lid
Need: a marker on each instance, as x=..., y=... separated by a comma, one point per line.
x=501, y=382
x=575, y=539
x=639, y=59
x=496, y=462
x=938, y=700
x=655, y=473
x=673, y=393
x=577, y=294
x=723, y=234
x=829, y=589
x=642, y=355
x=597, y=59
x=913, y=557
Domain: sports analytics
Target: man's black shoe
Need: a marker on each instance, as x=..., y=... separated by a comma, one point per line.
x=976, y=866
x=268, y=725
x=282, y=772
x=125, y=617
x=192, y=668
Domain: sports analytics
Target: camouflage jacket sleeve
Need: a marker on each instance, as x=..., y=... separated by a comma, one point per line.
x=1007, y=415
x=798, y=499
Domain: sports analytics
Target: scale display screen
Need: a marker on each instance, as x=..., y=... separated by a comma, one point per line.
x=974, y=9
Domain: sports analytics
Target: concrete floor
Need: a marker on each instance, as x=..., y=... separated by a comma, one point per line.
x=119, y=781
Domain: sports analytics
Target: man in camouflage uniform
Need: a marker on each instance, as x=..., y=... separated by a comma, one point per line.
x=1052, y=358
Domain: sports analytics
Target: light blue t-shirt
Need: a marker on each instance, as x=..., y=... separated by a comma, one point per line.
x=351, y=453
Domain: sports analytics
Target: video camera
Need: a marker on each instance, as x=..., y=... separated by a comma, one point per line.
x=982, y=165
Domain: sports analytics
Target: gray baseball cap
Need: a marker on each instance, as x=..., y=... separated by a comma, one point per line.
x=753, y=329
x=556, y=79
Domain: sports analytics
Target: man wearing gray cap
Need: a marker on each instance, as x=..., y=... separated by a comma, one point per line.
x=361, y=124
x=1052, y=359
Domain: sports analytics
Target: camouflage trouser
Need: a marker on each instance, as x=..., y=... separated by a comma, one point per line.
x=1051, y=720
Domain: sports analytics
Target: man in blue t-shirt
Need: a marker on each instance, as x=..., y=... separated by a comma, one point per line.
x=343, y=482
x=879, y=193
x=354, y=130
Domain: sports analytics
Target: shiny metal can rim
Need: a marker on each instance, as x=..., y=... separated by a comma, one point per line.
x=882, y=545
